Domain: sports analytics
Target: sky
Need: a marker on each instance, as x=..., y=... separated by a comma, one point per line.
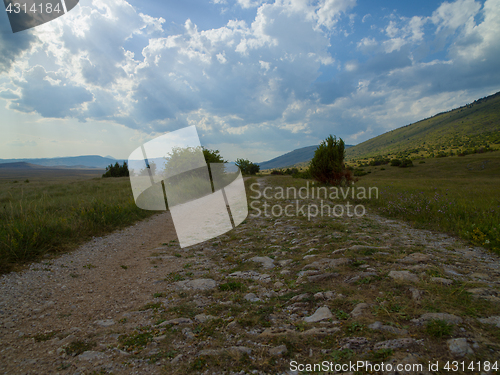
x=258, y=78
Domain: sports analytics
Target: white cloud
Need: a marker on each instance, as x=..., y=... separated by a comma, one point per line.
x=257, y=81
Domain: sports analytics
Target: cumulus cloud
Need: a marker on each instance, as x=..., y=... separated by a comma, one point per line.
x=277, y=75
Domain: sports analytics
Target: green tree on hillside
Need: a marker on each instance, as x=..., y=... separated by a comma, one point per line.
x=247, y=167
x=327, y=166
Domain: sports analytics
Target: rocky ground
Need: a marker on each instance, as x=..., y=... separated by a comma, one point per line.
x=272, y=294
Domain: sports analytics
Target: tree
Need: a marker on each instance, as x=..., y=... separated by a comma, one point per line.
x=212, y=156
x=327, y=166
x=117, y=170
x=247, y=167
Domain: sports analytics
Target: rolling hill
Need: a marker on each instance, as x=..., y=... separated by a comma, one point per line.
x=292, y=158
x=469, y=127
x=85, y=161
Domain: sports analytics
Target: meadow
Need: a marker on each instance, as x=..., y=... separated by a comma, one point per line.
x=49, y=212
x=458, y=195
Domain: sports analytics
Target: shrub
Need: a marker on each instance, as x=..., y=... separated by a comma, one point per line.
x=306, y=174
x=358, y=172
x=247, y=167
x=406, y=163
x=395, y=163
x=327, y=165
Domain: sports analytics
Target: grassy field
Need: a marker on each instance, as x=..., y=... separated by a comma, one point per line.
x=54, y=212
x=459, y=195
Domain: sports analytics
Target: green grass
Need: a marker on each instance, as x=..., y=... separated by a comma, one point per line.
x=439, y=328
x=56, y=215
x=454, y=195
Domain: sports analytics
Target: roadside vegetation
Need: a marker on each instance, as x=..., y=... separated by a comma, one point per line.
x=53, y=216
x=458, y=195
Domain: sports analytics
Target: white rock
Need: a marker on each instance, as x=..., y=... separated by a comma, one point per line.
x=252, y=297
x=495, y=320
x=265, y=261
x=459, y=347
x=359, y=309
x=197, y=284
x=90, y=355
x=105, y=323
x=321, y=314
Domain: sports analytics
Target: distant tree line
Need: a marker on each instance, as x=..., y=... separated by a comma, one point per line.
x=211, y=156
x=116, y=170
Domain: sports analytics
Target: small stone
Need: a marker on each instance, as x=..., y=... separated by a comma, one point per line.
x=329, y=295
x=176, y=321
x=353, y=342
x=319, y=295
x=322, y=277
x=105, y=323
x=177, y=359
x=495, y=320
x=448, y=318
x=209, y=352
x=441, y=280
x=359, y=309
x=90, y=355
x=325, y=263
x=378, y=326
x=459, y=347
x=252, y=297
x=202, y=318
x=197, y=284
x=277, y=331
x=416, y=258
x=300, y=297
x=233, y=324
x=241, y=349
x=416, y=294
x=266, y=262
x=278, y=350
x=320, y=331
x=404, y=276
x=321, y=314
x=278, y=285
x=394, y=344
x=188, y=333
x=477, y=275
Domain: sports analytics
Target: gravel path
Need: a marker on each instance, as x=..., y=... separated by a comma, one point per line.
x=271, y=291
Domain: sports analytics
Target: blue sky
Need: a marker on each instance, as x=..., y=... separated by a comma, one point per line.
x=258, y=78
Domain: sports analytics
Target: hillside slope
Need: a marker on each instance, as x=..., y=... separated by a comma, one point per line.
x=292, y=158
x=474, y=125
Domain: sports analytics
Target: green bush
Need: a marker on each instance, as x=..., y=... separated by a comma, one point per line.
x=327, y=166
x=406, y=163
x=395, y=163
x=247, y=167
